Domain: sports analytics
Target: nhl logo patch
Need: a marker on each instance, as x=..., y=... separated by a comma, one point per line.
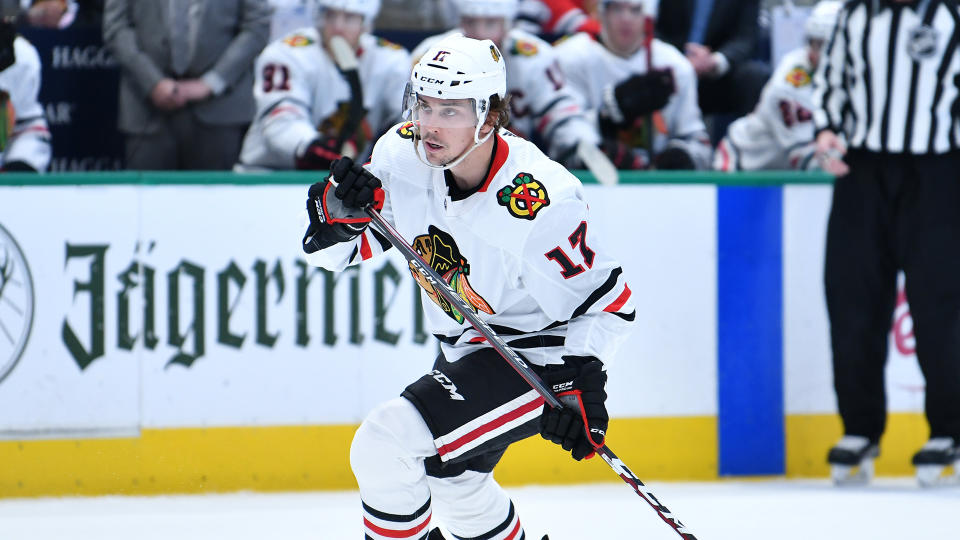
x=922, y=42
x=406, y=130
x=524, y=197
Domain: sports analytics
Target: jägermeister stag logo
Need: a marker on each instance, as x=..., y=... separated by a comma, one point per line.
x=16, y=303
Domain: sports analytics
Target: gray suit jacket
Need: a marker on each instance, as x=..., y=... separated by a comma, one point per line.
x=230, y=35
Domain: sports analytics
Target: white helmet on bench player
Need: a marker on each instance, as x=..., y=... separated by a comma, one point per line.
x=488, y=8
x=822, y=20
x=650, y=7
x=457, y=68
x=368, y=8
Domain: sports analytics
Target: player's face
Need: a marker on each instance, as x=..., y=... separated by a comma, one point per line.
x=623, y=26
x=446, y=127
x=814, y=46
x=492, y=28
x=341, y=23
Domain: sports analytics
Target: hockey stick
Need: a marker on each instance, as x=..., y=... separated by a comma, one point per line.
x=348, y=65
x=518, y=364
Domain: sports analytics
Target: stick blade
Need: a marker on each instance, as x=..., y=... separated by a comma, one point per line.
x=598, y=164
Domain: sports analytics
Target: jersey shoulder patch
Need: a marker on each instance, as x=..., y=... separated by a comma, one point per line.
x=798, y=77
x=387, y=44
x=405, y=130
x=298, y=40
x=524, y=196
x=522, y=47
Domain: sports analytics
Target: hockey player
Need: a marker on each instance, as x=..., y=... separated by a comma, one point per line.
x=778, y=134
x=542, y=107
x=653, y=113
x=24, y=135
x=510, y=231
x=325, y=92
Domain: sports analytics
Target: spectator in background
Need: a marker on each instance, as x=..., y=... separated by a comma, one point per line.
x=186, y=83
x=62, y=13
x=543, y=107
x=778, y=134
x=317, y=100
x=648, y=116
x=719, y=38
x=24, y=137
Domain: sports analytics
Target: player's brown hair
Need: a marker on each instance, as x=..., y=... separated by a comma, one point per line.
x=499, y=114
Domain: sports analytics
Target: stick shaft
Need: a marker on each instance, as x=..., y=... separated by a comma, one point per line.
x=518, y=364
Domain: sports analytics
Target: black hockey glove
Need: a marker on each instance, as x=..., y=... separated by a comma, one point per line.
x=622, y=155
x=581, y=424
x=335, y=205
x=8, y=33
x=319, y=154
x=638, y=95
x=674, y=159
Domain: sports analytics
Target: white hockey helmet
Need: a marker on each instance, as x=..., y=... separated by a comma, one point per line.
x=488, y=8
x=457, y=67
x=650, y=7
x=368, y=8
x=822, y=20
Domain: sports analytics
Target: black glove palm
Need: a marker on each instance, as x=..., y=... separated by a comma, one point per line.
x=642, y=94
x=319, y=154
x=581, y=424
x=336, y=209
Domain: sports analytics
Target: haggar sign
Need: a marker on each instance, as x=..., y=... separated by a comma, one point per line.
x=16, y=302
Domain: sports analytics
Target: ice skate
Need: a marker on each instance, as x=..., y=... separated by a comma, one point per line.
x=938, y=463
x=851, y=460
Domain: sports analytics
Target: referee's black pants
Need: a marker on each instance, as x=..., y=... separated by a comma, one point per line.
x=895, y=212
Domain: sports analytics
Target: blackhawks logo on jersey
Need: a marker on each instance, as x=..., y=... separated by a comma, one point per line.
x=524, y=48
x=298, y=40
x=406, y=130
x=798, y=77
x=440, y=251
x=524, y=197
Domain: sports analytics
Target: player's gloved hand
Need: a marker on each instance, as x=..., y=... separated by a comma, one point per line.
x=639, y=95
x=319, y=154
x=335, y=205
x=675, y=159
x=581, y=424
x=622, y=156
x=8, y=33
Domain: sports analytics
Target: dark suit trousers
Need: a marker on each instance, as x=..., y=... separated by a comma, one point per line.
x=890, y=212
x=185, y=143
x=737, y=92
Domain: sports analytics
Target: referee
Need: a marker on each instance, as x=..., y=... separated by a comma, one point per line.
x=888, y=100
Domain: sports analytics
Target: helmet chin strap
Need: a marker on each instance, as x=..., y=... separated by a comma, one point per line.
x=477, y=141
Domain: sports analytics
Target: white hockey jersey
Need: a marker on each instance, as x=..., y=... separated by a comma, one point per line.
x=543, y=108
x=520, y=250
x=779, y=133
x=24, y=134
x=300, y=94
x=591, y=68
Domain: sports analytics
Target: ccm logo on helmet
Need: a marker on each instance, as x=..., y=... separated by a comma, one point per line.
x=430, y=80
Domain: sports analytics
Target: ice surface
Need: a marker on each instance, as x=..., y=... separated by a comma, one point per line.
x=777, y=509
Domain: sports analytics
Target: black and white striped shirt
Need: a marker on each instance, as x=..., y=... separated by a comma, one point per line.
x=889, y=78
